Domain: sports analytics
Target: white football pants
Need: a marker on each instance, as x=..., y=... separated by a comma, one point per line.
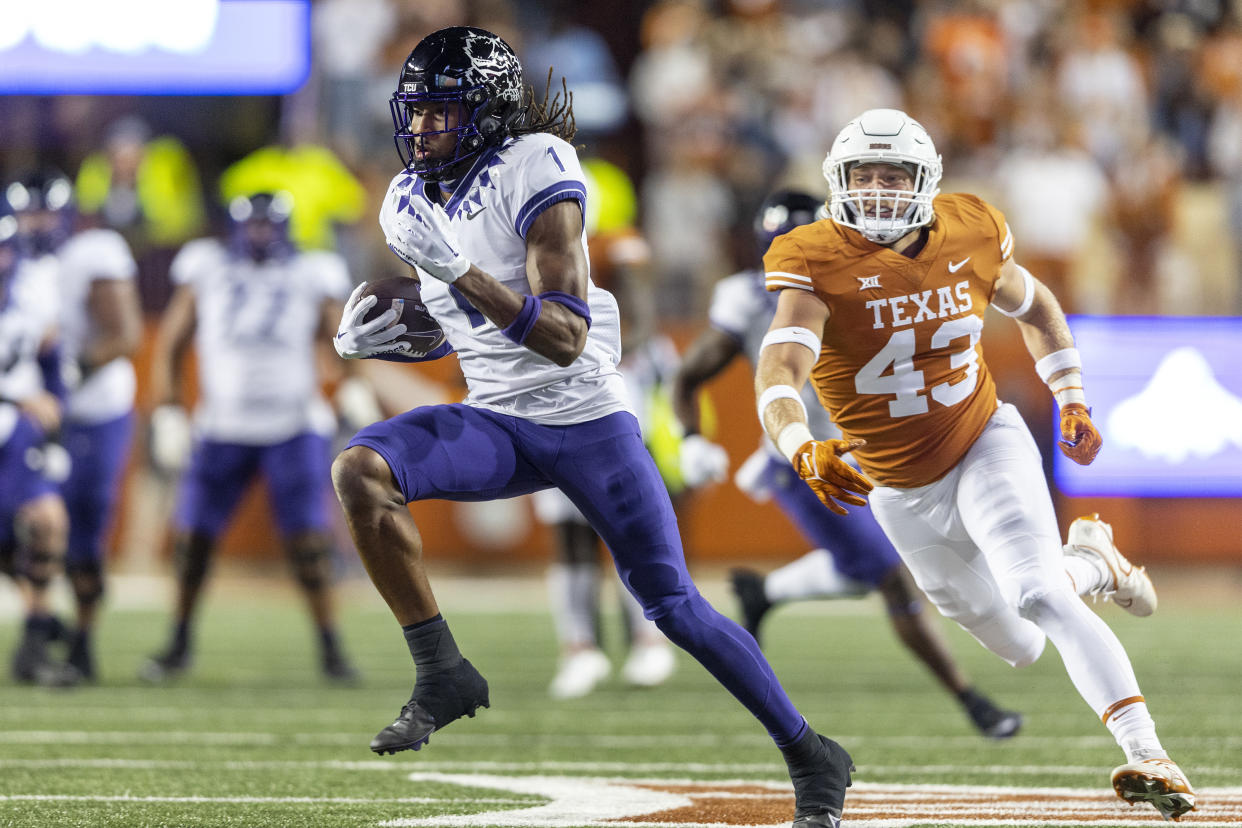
x=983, y=544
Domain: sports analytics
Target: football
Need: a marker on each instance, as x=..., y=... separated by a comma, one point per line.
x=422, y=333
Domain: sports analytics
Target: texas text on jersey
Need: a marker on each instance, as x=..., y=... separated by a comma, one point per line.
x=901, y=365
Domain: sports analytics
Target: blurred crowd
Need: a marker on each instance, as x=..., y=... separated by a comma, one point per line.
x=1109, y=131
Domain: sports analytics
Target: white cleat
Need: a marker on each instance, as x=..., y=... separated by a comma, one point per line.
x=579, y=673
x=1158, y=781
x=649, y=664
x=1128, y=585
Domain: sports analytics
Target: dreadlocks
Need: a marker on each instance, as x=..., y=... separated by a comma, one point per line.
x=556, y=117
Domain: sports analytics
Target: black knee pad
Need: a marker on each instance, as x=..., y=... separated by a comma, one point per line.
x=312, y=560
x=87, y=579
x=36, y=565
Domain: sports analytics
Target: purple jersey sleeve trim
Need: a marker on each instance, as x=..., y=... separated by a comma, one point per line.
x=545, y=198
x=575, y=303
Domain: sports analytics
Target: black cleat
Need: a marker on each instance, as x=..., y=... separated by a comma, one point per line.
x=163, y=668
x=337, y=669
x=988, y=719
x=820, y=770
x=437, y=701
x=33, y=664
x=82, y=656
x=748, y=587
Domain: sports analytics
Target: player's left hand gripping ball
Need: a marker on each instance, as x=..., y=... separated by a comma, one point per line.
x=356, y=339
x=1080, y=441
x=819, y=463
x=419, y=232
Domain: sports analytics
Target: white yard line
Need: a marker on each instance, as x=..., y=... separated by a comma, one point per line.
x=497, y=740
x=253, y=800
x=416, y=765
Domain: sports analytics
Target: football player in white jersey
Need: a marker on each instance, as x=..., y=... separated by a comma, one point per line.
x=489, y=213
x=33, y=522
x=852, y=556
x=256, y=308
x=100, y=327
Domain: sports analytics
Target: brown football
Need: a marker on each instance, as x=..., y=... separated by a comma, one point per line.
x=422, y=333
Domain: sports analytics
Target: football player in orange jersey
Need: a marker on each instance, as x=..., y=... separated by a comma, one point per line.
x=882, y=306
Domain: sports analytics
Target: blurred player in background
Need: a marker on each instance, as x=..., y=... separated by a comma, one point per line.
x=33, y=523
x=852, y=557
x=257, y=309
x=882, y=308
x=489, y=211
x=100, y=326
x=620, y=262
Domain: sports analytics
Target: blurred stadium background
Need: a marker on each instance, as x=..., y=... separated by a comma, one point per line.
x=1109, y=131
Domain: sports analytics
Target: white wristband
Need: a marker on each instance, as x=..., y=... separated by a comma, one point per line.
x=1058, y=361
x=778, y=392
x=802, y=336
x=1067, y=389
x=792, y=438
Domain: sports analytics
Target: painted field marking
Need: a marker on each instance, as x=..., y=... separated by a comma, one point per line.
x=249, y=800
x=250, y=738
x=661, y=803
x=551, y=766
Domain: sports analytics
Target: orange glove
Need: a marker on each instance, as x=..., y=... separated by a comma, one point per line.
x=819, y=463
x=1080, y=441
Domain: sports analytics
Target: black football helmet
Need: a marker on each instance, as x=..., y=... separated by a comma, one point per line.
x=42, y=201
x=259, y=226
x=783, y=211
x=472, y=69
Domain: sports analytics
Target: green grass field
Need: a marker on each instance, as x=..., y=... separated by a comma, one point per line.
x=252, y=737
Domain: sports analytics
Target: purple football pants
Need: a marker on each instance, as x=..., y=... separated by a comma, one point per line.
x=19, y=483
x=297, y=473
x=98, y=452
x=457, y=452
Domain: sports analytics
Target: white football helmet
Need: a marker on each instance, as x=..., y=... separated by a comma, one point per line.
x=883, y=136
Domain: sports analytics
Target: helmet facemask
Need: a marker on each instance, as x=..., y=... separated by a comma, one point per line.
x=477, y=78
x=468, y=140
x=883, y=215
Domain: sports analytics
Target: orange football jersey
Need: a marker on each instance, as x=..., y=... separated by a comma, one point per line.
x=901, y=366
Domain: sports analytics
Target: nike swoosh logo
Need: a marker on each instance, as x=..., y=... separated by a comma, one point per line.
x=954, y=267
x=470, y=216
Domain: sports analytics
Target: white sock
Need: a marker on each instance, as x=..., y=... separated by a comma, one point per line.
x=814, y=575
x=1086, y=574
x=1135, y=732
x=573, y=594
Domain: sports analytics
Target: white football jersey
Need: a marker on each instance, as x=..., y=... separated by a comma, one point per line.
x=491, y=210
x=28, y=311
x=743, y=308
x=255, y=341
x=108, y=392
